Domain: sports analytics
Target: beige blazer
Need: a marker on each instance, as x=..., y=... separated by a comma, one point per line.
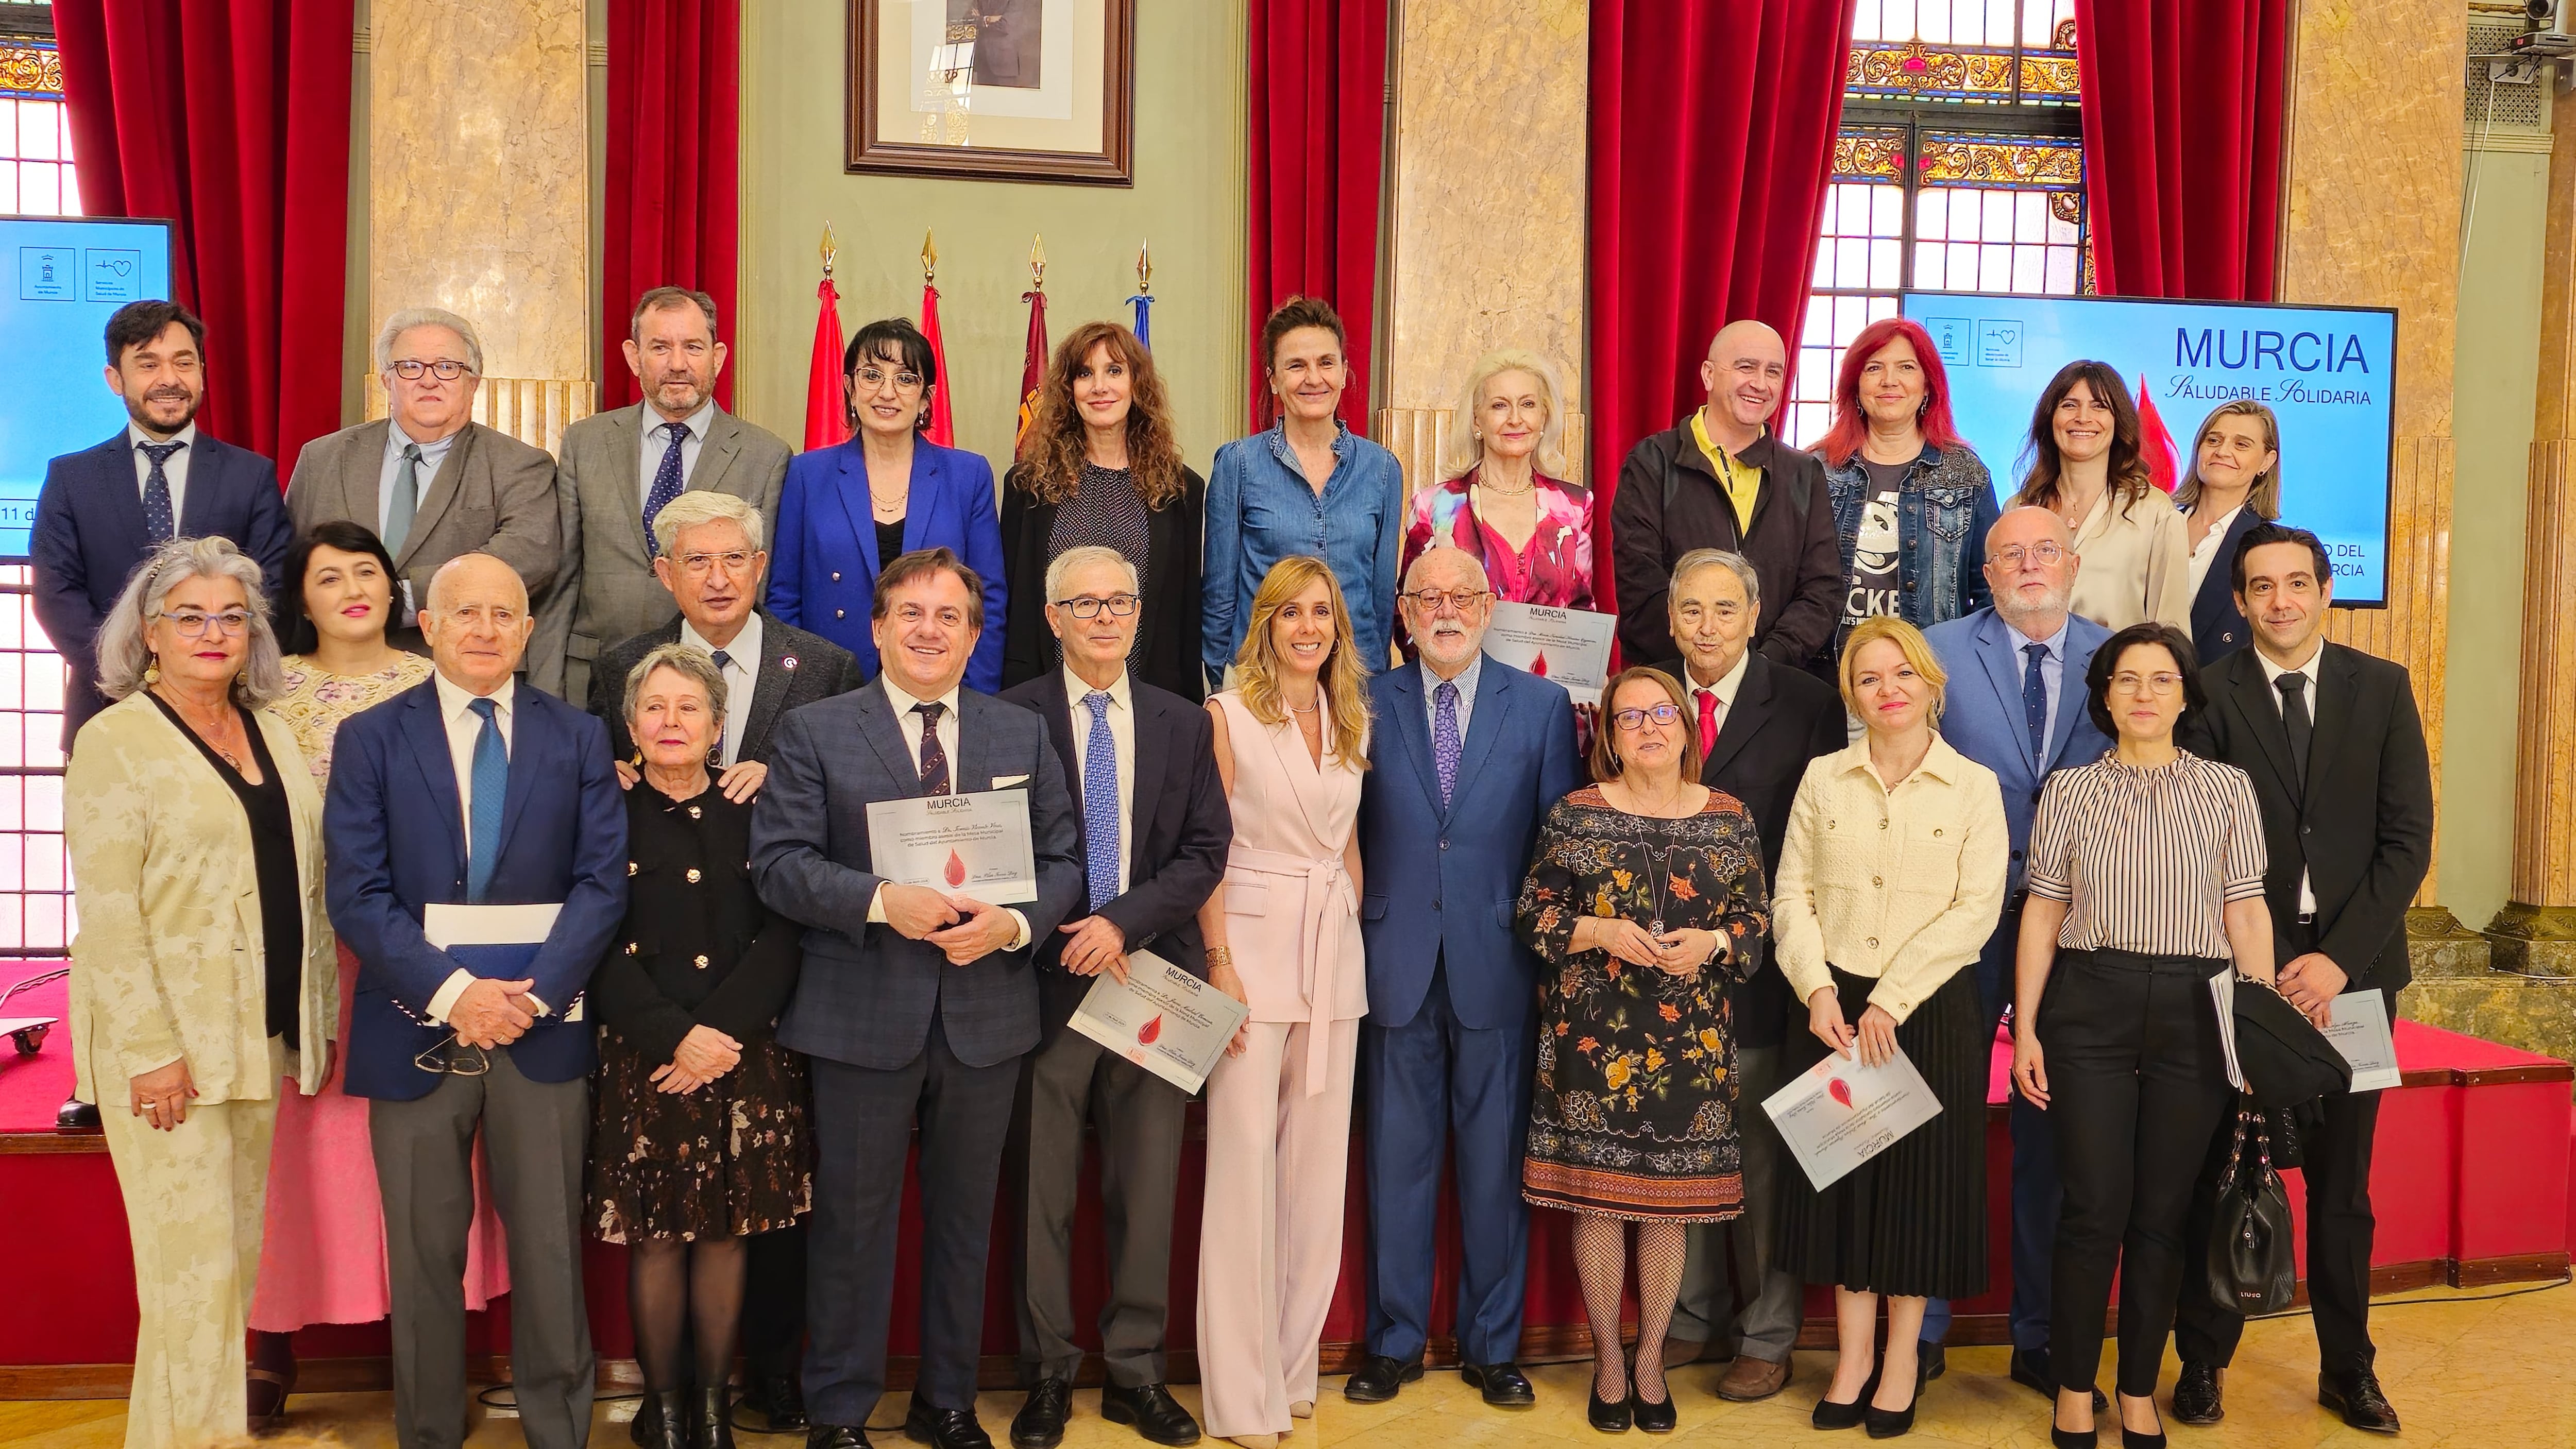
x=2136, y=564
x=169, y=962
x=607, y=593
x=492, y=494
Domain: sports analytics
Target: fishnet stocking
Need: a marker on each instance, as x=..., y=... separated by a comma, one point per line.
x=1661, y=1249
x=1601, y=1264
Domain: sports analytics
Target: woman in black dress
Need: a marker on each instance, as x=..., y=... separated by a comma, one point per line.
x=699, y=1137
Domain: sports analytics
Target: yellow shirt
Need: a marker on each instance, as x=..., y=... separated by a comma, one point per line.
x=1743, y=481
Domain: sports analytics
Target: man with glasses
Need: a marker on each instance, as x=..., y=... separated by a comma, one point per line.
x=622, y=466
x=467, y=789
x=1155, y=828
x=1467, y=757
x=428, y=480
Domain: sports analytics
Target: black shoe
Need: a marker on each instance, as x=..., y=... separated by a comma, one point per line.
x=2072, y=1438
x=77, y=1116
x=710, y=1419
x=1931, y=1360
x=1503, y=1384
x=836, y=1436
x=1831, y=1415
x=1889, y=1423
x=1607, y=1416
x=1652, y=1418
x=2030, y=1369
x=944, y=1428
x=1040, y=1422
x=662, y=1420
x=2356, y=1396
x=1152, y=1409
x=2197, y=1398
x=779, y=1400
x=1380, y=1378
x=2146, y=1439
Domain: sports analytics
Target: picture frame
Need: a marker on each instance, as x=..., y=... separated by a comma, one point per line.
x=993, y=90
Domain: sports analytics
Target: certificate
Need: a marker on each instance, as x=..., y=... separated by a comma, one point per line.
x=973, y=845
x=2358, y=1027
x=1164, y=1019
x=1839, y=1113
x=496, y=943
x=1570, y=646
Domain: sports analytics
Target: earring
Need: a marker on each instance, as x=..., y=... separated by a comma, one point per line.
x=152, y=674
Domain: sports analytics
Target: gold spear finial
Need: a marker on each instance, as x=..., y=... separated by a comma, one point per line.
x=1037, y=263
x=830, y=249
x=929, y=259
x=1145, y=268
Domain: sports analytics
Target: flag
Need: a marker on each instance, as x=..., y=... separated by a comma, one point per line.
x=2154, y=441
x=1033, y=367
x=827, y=416
x=942, y=429
x=1143, y=302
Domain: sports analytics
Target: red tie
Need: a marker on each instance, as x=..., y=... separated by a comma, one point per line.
x=1707, y=720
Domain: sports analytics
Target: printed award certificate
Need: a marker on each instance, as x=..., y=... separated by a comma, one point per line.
x=494, y=942
x=2358, y=1027
x=1839, y=1114
x=1570, y=646
x=961, y=845
x=1164, y=1019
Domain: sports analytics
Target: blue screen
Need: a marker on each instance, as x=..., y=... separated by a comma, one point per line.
x=65, y=277
x=2326, y=372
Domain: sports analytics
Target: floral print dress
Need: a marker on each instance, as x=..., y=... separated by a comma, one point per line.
x=1634, y=1112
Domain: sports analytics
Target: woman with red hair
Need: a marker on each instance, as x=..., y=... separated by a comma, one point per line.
x=1912, y=501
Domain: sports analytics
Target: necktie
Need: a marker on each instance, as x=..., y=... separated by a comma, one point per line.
x=160, y=523
x=2294, y=714
x=723, y=660
x=491, y=790
x=934, y=760
x=1100, y=802
x=1445, y=745
x=2034, y=700
x=406, y=500
x=666, y=486
x=1707, y=721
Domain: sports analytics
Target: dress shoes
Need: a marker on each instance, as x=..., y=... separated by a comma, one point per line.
x=836, y=1436
x=1380, y=1378
x=1749, y=1379
x=2356, y=1396
x=1151, y=1408
x=662, y=1420
x=1040, y=1422
x=2030, y=1368
x=779, y=1400
x=1890, y=1423
x=1503, y=1384
x=77, y=1116
x=1608, y=1416
x=1931, y=1360
x=2198, y=1400
x=710, y=1419
x=944, y=1428
x=1652, y=1418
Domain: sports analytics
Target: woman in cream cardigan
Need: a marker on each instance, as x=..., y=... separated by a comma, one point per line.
x=203, y=974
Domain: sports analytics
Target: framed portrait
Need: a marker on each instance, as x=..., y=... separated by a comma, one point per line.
x=997, y=90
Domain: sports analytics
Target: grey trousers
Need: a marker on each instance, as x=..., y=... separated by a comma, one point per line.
x=1138, y=1118
x=533, y=1136
x=1767, y=1327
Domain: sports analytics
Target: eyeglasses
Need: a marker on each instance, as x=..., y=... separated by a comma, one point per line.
x=1087, y=607
x=453, y=1058
x=1435, y=601
x=192, y=623
x=874, y=379
x=2011, y=554
x=738, y=561
x=2162, y=686
x=1633, y=720
x=445, y=369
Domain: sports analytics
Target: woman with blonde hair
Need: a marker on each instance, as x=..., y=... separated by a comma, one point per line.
x=1101, y=468
x=2233, y=485
x=1506, y=503
x=1283, y=937
x=1891, y=879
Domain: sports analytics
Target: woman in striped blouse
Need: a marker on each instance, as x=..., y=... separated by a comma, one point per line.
x=2146, y=880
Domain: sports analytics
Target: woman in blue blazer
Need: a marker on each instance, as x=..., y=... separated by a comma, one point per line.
x=848, y=510
x=2234, y=483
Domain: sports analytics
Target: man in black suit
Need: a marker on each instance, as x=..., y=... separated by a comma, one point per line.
x=1759, y=722
x=2336, y=750
x=915, y=1004
x=1142, y=763
x=104, y=508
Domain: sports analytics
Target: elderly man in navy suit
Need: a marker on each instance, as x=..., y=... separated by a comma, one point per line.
x=2016, y=706
x=1467, y=756
x=470, y=789
x=915, y=1004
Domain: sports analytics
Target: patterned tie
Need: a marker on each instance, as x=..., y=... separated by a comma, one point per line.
x=666, y=486
x=723, y=661
x=1707, y=721
x=406, y=501
x=159, y=522
x=934, y=760
x=2294, y=715
x=1445, y=745
x=1100, y=802
x=491, y=790
x=2034, y=700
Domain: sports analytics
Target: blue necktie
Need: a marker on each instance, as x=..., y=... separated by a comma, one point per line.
x=666, y=484
x=2034, y=701
x=1100, y=803
x=491, y=790
x=160, y=523
x=1445, y=744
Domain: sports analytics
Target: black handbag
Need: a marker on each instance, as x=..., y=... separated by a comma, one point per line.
x=2253, y=1267
x=2285, y=1059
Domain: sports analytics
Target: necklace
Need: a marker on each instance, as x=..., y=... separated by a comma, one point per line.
x=1310, y=709
x=1522, y=491
x=202, y=732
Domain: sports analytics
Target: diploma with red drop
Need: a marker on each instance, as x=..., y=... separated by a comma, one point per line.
x=1842, y=1112
x=1162, y=1018
x=1570, y=646
x=974, y=845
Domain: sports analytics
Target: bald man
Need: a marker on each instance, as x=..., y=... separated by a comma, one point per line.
x=1722, y=479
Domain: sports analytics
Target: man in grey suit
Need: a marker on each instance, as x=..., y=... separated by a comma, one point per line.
x=620, y=468
x=915, y=1004
x=429, y=480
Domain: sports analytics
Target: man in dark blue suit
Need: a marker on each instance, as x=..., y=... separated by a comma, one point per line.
x=916, y=1005
x=1467, y=756
x=103, y=508
x=469, y=789
x=2016, y=706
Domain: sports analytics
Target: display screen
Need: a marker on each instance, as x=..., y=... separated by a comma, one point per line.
x=66, y=276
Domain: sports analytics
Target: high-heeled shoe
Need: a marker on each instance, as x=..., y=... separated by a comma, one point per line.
x=2132, y=1439
x=1650, y=1417
x=1832, y=1415
x=1890, y=1423
x=1611, y=1416
x=2072, y=1438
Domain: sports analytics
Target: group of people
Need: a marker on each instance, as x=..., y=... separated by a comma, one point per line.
x=1876, y=730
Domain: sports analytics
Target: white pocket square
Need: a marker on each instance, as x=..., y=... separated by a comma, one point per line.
x=1007, y=782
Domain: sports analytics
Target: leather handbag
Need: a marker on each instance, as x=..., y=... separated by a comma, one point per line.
x=2253, y=1267
x=2285, y=1059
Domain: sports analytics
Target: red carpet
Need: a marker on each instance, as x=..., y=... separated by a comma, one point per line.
x=32, y=1089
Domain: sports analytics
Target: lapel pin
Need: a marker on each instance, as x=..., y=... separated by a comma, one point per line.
x=788, y=663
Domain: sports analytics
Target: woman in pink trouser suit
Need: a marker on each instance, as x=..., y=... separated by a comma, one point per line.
x=1283, y=937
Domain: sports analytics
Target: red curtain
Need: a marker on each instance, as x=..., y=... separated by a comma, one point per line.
x=1318, y=135
x=232, y=121
x=2183, y=105
x=1712, y=141
x=674, y=168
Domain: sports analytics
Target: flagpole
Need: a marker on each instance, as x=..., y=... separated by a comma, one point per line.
x=943, y=424
x=1033, y=364
x=1143, y=301
x=827, y=417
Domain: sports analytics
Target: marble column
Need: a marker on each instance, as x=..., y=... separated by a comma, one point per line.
x=479, y=192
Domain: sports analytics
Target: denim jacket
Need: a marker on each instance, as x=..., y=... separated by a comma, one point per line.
x=1943, y=510
x=1260, y=509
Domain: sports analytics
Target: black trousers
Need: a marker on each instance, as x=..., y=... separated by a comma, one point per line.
x=773, y=1302
x=2137, y=1085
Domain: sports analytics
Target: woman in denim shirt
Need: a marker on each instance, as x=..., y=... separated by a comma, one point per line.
x=1923, y=559
x=1306, y=485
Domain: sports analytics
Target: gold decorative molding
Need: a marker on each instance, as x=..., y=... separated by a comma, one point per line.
x=31, y=68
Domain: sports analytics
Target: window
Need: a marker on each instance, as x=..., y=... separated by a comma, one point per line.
x=1959, y=167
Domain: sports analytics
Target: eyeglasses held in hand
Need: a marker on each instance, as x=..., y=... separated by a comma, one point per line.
x=1088, y=607
x=2011, y=554
x=192, y=623
x=2163, y=686
x=454, y=1058
x=1435, y=601
x=445, y=369
x=1633, y=720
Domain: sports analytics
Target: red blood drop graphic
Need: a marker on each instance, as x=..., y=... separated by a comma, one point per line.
x=1839, y=1090
x=1145, y=1034
x=956, y=870
x=1538, y=666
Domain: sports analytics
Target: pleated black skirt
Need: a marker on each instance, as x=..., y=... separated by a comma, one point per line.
x=1911, y=1221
